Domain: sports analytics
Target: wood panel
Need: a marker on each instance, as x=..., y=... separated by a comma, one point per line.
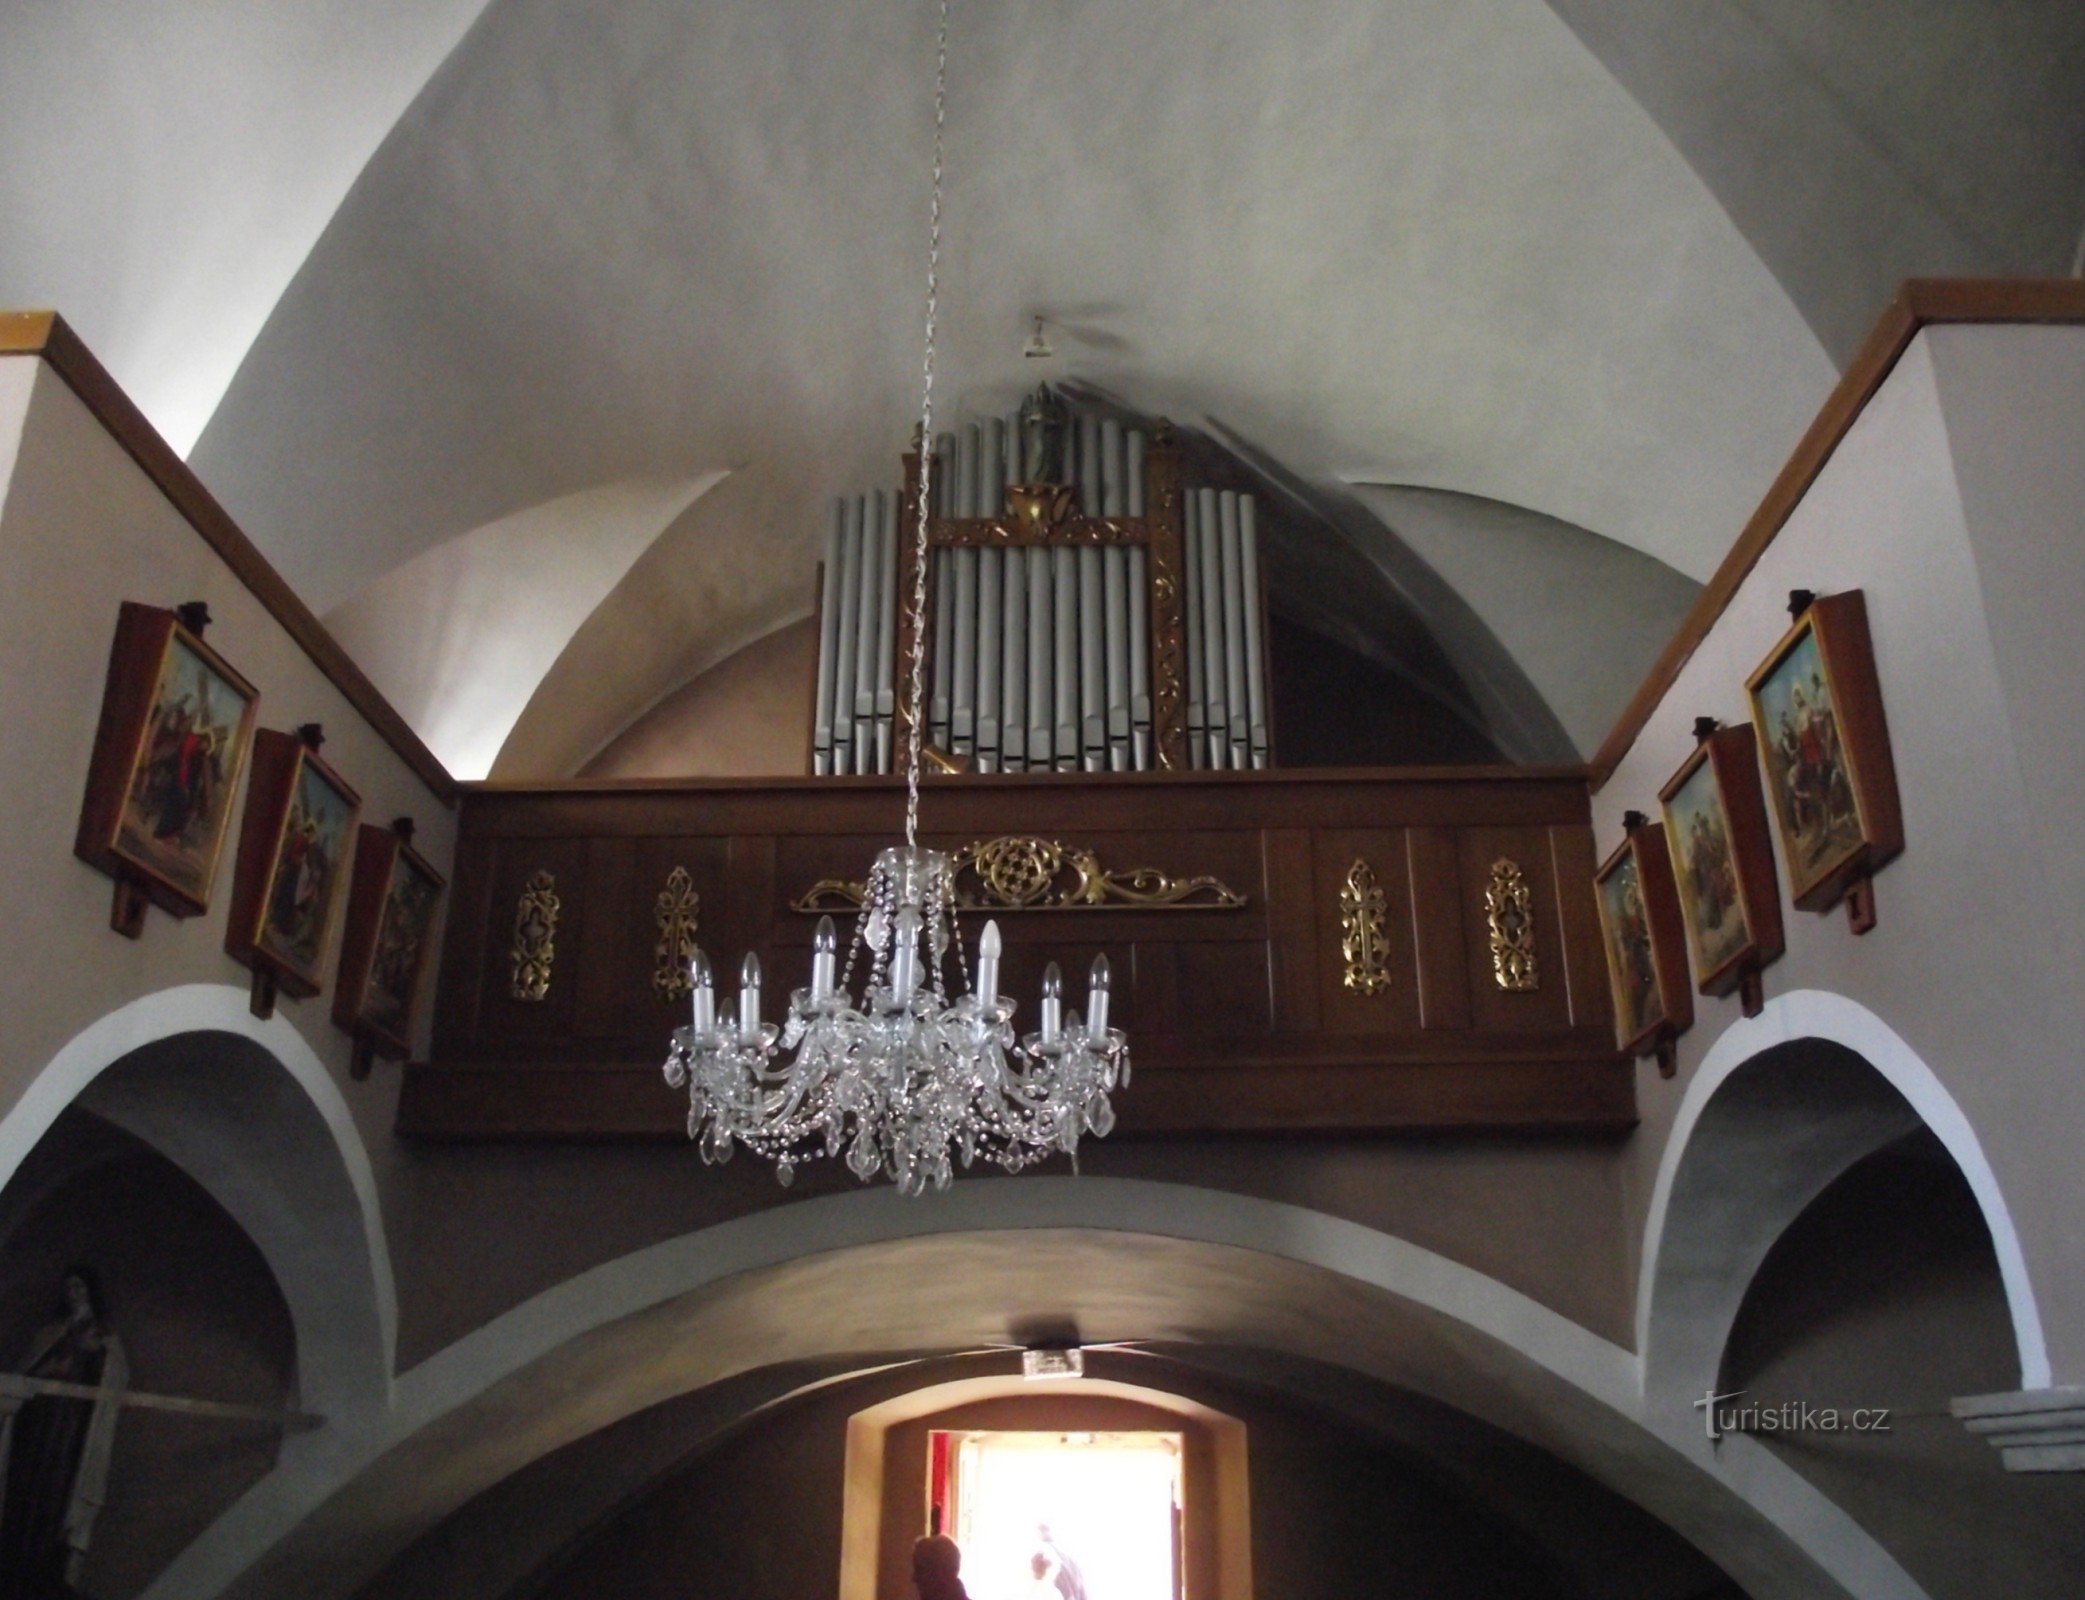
x=1239, y=1015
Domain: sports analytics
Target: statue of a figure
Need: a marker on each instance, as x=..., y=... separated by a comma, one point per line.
x=1043, y=421
x=54, y=1450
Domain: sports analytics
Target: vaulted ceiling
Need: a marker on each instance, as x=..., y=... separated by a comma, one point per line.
x=586, y=311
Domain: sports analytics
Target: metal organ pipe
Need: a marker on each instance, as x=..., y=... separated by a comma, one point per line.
x=1064, y=584
x=1255, y=640
x=1115, y=589
x=1234, y=631
x=843, y=645
x=887, y=629
x=1191, y=624
x=1215, y=710
x=962, y=719
x=1139, y=613
x=943, y=660
x=829, y=592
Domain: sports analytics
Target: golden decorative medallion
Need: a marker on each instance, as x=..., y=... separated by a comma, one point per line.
x=679, y=913
x=1363, y=942
x=1510, y=909
x=1019, y=873
x=535, y=933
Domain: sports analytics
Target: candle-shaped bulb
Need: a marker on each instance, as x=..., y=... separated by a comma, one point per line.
x=1097, y=986
x=904, y=957
x=824, y=945
x=749, y=996
x=704, y=984
x=988, y=948
x=1052, y=1003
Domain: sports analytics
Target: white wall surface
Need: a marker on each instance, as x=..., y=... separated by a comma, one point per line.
x=81, y=529
x=1952, y=503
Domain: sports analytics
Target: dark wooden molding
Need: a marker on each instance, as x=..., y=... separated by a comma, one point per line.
x=46, y=334
x=1921, y=302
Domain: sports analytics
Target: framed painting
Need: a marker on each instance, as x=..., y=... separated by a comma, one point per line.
x=176, y=724
x=294, y=845
x=385, y=943
x=1723, y=863
x=1817, y=704
x=1640, y=929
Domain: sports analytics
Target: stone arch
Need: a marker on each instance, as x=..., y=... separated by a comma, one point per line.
x=247, y=1110
x=837, y=1278
x=1755, y=1140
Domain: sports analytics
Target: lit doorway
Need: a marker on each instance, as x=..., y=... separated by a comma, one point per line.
x=1110, y=1502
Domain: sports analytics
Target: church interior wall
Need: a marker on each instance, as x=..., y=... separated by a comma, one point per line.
x=199, y=1313
x=1885, y=1292
x=85, y=527
x=747, y=716
x=1966, y=912
x=1541, y=1215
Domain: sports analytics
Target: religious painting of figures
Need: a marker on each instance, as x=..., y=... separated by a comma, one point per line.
x=175, y=726
x=1640, y=928
x=1723, y=860
x=388, y=937
x=1631, y=965
x=1703, y=863
x=1806, y=762
x=308, y=863
x=294, y=848
x=1818, y=710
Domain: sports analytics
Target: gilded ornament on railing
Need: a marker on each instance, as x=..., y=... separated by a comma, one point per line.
x=1363, y=941
x=679, y=914
x=1017, y=873
x=1510, y=908
x=535, y=934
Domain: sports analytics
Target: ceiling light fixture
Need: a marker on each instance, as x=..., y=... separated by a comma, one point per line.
x=907, y=1080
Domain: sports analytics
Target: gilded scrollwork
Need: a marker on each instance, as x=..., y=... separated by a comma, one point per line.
x=1022, y=873
x=535, y=936
x=679, y=915
x=1363, y=936
x=1509, y=908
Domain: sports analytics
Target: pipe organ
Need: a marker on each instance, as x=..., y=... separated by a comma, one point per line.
x=1086, y=611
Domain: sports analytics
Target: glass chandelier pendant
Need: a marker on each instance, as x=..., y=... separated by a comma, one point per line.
x=908, y=1080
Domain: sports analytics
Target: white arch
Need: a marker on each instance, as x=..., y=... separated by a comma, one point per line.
x=354, y=1378
x=507, y=1386
x=1822, y=1014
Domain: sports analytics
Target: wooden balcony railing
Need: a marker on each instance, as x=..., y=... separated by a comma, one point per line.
x=1357, y=952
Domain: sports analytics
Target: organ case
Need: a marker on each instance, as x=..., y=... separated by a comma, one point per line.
x=1086, y=610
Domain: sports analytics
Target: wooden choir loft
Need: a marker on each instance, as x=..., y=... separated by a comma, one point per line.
x=1367, y=949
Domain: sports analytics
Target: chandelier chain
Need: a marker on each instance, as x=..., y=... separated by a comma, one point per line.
x=915, y=687
x=910, y=1078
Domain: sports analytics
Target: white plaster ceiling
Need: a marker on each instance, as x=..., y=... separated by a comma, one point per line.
x=1455, y=244
x=459, y=637
x=170, y=166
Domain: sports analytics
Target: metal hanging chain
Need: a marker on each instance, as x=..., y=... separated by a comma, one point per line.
x=915, y=686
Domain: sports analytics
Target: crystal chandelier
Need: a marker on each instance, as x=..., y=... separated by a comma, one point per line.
x=908, y=1080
